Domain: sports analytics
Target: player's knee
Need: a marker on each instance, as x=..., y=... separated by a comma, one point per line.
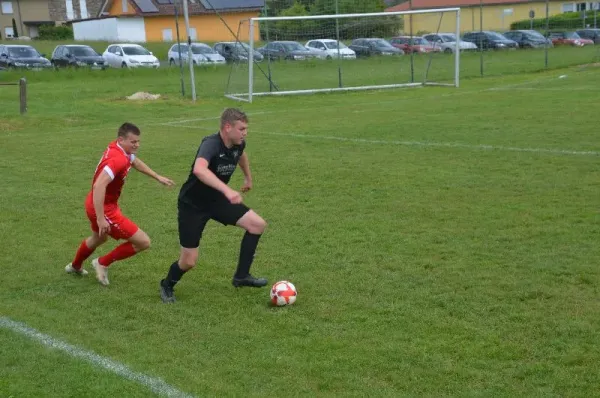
x=188, y=261
x=257, y=226
x=146, y=243
x=95, y=240
x=143, y=243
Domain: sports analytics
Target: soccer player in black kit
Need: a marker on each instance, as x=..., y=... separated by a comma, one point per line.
x=205, y=195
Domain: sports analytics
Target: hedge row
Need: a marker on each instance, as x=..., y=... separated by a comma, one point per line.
x=565, y=21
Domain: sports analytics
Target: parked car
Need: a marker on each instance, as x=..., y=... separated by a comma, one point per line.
x=77, y=56
x=328, y=49
x=21, y=56
x=202, y=54
x=528, y=38
x=414, y=44
x=590, y=34
x=373, y=46
x=447, y=42
x=234, y=51
x=287, y=50
x=487, y=40
x=129, y=56
x=568, y=39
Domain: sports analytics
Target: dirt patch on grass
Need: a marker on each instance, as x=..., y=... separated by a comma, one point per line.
x=143, y=96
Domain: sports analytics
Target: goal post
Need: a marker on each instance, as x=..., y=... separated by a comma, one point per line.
x=337, y=56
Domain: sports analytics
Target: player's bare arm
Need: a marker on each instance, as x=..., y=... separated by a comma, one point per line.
x=244, y=164
x=145, y=169
x=98, y=197
x=202, y=172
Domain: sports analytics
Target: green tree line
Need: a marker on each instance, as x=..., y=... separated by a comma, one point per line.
x=349, y=28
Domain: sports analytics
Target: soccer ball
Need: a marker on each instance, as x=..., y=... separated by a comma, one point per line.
x=283, y=293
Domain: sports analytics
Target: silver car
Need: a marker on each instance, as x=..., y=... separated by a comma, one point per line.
x=202, y=54
x=447, y=42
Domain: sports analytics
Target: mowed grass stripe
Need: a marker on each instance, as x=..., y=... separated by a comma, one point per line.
x=154, y=384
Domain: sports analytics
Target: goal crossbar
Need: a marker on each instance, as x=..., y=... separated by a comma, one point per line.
x=248, y=96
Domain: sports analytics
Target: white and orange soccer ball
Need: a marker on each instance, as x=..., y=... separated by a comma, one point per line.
x=283, y=293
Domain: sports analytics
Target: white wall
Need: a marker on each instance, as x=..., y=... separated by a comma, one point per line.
x=111, y=29
x=131, y=29
x=34, y=31
x=98, y=29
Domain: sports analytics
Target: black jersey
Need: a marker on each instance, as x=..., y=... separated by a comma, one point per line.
x=222, y=161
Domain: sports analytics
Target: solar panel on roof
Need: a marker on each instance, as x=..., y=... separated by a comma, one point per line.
x=146, y=5
x=225, y=4
x=165, y=1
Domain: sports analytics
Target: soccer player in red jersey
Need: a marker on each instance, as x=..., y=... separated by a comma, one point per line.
x=103, y=210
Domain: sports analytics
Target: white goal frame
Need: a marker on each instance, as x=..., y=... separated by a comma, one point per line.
x=250, y=94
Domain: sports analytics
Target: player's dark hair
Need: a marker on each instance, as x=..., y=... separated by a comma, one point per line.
x=232, y=115
x=127, y=128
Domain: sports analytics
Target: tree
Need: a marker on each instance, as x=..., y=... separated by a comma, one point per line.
x=15, y=32
x=274, y=7
x=326, y=28
x=363, y=27
x=292, y=30
x=322, y=7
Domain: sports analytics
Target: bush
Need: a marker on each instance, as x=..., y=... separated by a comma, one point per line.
x=565, y=21
x=50, y=32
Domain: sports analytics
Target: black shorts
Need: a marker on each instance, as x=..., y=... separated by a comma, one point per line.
x=193, y=218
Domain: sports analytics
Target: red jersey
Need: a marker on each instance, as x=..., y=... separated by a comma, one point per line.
x=116, y=163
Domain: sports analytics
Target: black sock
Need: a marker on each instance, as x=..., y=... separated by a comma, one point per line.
x=247, y=249
x=174, y=275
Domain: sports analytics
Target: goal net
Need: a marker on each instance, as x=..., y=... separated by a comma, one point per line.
x=302, y=54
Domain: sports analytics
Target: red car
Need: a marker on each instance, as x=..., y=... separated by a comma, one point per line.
x=413, y=45
x=568, y=39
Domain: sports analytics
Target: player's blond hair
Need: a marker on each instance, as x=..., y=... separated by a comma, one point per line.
x=232, y=115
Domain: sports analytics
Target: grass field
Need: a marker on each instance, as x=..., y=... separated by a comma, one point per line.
x=443, y=241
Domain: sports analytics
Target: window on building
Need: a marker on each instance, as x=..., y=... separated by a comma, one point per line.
x=581, y=6
x=7, y=7
x=8, y=32
x=568, y=7
x=167, y=34
x=193, y=34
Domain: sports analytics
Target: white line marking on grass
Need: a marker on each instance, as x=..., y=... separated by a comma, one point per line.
x=420, y=143
x=437, y=144
x=176, y=123
x=155, y=384
x=562, y=89
x=183, y=126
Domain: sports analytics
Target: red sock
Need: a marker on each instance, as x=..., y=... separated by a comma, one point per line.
x=120, y=252
x=82, y=254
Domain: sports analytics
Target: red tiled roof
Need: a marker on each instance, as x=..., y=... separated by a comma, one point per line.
x=424, y=4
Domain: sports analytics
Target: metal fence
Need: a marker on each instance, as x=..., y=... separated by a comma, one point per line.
x=548, y=36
